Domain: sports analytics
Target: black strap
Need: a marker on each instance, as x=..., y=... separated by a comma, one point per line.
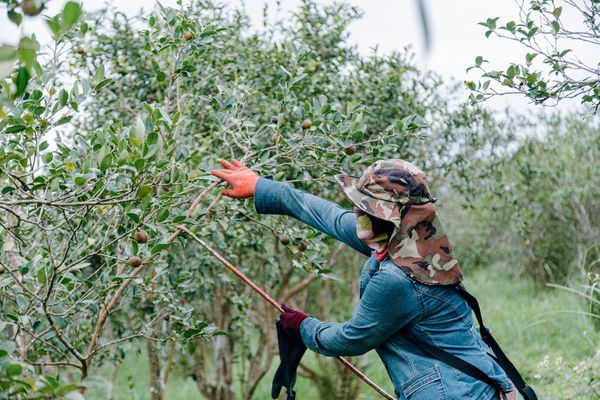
x=468, y=368
x=452, y=360
x=504, y=362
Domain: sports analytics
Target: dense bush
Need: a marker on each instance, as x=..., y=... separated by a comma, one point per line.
x=534, y=207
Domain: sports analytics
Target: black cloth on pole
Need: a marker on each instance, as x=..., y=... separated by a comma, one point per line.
x=291, y=351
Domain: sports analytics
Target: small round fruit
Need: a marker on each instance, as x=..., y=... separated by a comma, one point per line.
x=141, y=236
x=274, y=120
x=349, y=150
x=188, y=35
x=79, y=50
x=307, y=124
x=276, y=138
x=32, y=7
x=134, y=261
x=52, y=91
x=285, y=239
x=302, y=246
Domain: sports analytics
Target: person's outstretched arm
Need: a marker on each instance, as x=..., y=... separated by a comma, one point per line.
x=272, y=197
x=388, y=304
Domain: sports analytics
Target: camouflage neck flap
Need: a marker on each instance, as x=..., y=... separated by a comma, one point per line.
x=396, y=191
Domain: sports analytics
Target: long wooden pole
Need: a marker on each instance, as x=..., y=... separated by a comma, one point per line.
x=275, y=304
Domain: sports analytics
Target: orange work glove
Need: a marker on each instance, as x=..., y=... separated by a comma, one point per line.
x=241, y=178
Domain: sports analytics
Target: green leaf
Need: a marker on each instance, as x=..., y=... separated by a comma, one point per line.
x=54, y=25
x=152, y=138
x=106, y=162
x=64, y=120
x=133, y=217
x=27, y=50
x=139, y=164
x=144, y=191
x=159, y=247
x=555, y=26
x=162, y=214
x=471, y=85
x=71, y=14
x=63, y=97
x=15, y=17
x=42, y=274
x=557, y=12
x=510, y=26
x=179, y=219
x=99, y=75
x=529, y=57
x=490, y=23
x=80, y=181
x=21, y=80
x=14, y=369
x=15, y=129
x=103, y=83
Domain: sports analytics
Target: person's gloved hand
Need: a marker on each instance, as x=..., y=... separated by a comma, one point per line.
x=290, y=321
x=241, y=178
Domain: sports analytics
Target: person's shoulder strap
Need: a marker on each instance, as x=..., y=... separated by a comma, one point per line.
x=452, y=360
x=499, y=355
x=470, y=369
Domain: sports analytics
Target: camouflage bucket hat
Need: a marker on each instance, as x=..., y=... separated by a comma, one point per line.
x=396, y=191
x=385, y=187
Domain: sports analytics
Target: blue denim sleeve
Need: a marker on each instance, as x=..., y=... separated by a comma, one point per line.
x=272, y=197
x=388, y=304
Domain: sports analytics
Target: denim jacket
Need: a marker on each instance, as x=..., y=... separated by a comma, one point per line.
x=390, y=302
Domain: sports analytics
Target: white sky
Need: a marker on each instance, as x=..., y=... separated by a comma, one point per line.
x=390, y=25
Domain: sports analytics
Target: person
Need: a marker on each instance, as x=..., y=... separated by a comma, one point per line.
x=407, y=287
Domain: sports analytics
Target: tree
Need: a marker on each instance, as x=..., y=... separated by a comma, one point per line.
x=552, y=70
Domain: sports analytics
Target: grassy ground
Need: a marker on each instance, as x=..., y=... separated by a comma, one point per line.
x=542, y=331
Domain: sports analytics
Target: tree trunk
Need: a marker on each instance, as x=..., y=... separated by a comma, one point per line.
x=214, y=377
x=110, y=395
x=156, y=384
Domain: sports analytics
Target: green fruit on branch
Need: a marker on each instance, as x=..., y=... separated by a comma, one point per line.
x=307, y=124
x=141, y=236
x=302, y=246
x=285, y=239
x=32, y=7
x=349, y=150
x=134, y=261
